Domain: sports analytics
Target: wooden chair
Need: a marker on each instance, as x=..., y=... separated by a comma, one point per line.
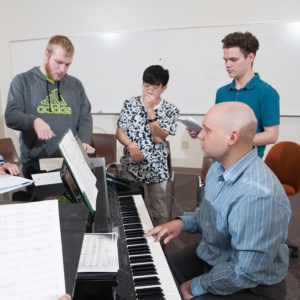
x=106, y=146
x=171, y=180
x=207, y=162
x=8, y=151
x=284, y=160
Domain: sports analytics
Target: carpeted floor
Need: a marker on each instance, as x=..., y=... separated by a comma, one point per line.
x=185, y=191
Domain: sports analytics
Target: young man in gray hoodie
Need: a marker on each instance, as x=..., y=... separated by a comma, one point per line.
x=44, y=102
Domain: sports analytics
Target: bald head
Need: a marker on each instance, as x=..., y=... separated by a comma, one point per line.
x=235, y=116
x=228, y=132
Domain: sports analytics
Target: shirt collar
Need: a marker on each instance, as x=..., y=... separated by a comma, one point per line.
x=236, y=170
x=250, y=85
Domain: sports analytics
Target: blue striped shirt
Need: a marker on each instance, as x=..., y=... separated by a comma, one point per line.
x=2, y=161
x=243, y=220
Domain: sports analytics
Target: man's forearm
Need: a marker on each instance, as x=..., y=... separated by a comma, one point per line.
x=268, y=136
x=122, y=137
x=157, y=131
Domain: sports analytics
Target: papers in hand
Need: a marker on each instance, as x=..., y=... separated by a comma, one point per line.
x=31, y=251
x=99, y=253
x=9, y=183
x=191, y=124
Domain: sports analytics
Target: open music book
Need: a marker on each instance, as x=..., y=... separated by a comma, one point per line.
x=78, y=167
x=99, y=253
x=9, y=183
x=31, y=251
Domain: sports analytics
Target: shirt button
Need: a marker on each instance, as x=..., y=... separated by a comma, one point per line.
x=203, y=243
x=211, y=204
x=207, y=224
x=220, y=182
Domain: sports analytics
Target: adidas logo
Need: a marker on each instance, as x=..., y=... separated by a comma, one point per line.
x=57, y=107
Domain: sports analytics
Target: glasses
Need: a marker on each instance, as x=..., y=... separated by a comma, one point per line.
x=150, y=87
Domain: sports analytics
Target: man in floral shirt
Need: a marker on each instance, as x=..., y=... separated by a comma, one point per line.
x=143, y=126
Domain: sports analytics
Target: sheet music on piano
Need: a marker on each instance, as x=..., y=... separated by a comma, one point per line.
x=79, y=168
x=31, y=251
x=99, y=253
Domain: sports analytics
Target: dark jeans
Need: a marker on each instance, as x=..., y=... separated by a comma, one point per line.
x=32, y=167
x=186, y=265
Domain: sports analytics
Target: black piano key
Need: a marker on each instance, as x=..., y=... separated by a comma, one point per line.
x=128, y=208
x=134, y=219
x=134, y=251
x=144, y=272
x=140, y=259
x=152, y=297
x=150, y=293
x=147, y=269
x=128, y=214
x=134, y=233
x=133, y=226
x=143, y=267
x=129, y=211
x=130, y=247
x=136, y=241
x=127, y=205
x=153, y=280
x=129, y=220
x=125, y=199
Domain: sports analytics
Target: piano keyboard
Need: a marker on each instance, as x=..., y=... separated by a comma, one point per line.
x=152, y=278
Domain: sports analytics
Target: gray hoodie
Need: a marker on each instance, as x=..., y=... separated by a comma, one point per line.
x=32, y=96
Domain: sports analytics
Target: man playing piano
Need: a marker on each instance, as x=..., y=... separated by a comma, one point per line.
x=243, y=218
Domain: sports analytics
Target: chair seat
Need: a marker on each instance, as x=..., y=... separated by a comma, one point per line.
x=290, y=191
x=8, y=150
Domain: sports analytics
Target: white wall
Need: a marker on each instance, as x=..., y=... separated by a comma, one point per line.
x=32, y=19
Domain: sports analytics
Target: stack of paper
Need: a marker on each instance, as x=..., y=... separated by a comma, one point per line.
x=9, y=183
x=31, y=254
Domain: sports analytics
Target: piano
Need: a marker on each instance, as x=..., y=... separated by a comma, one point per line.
x=144, y=272
x=150, y=273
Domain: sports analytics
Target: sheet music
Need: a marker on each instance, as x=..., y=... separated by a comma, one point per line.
x=80, y=169
x=9, y=182
x=31, y=262
x=191, y=124
x=99, y=253
x=46, y=178
x=49, y=164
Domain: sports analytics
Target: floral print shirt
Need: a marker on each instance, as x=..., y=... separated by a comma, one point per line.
x=134, y=120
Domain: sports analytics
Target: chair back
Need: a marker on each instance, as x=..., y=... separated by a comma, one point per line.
x=169, y=158
x=105, y=146
x=8, y=150
x=284, y=160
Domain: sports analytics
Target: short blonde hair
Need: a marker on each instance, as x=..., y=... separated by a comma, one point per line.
x=63, y=41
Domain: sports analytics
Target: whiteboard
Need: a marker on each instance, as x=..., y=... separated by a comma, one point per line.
x=110, y=66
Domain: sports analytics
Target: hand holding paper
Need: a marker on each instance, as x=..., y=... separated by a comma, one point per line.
x=191, y=124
